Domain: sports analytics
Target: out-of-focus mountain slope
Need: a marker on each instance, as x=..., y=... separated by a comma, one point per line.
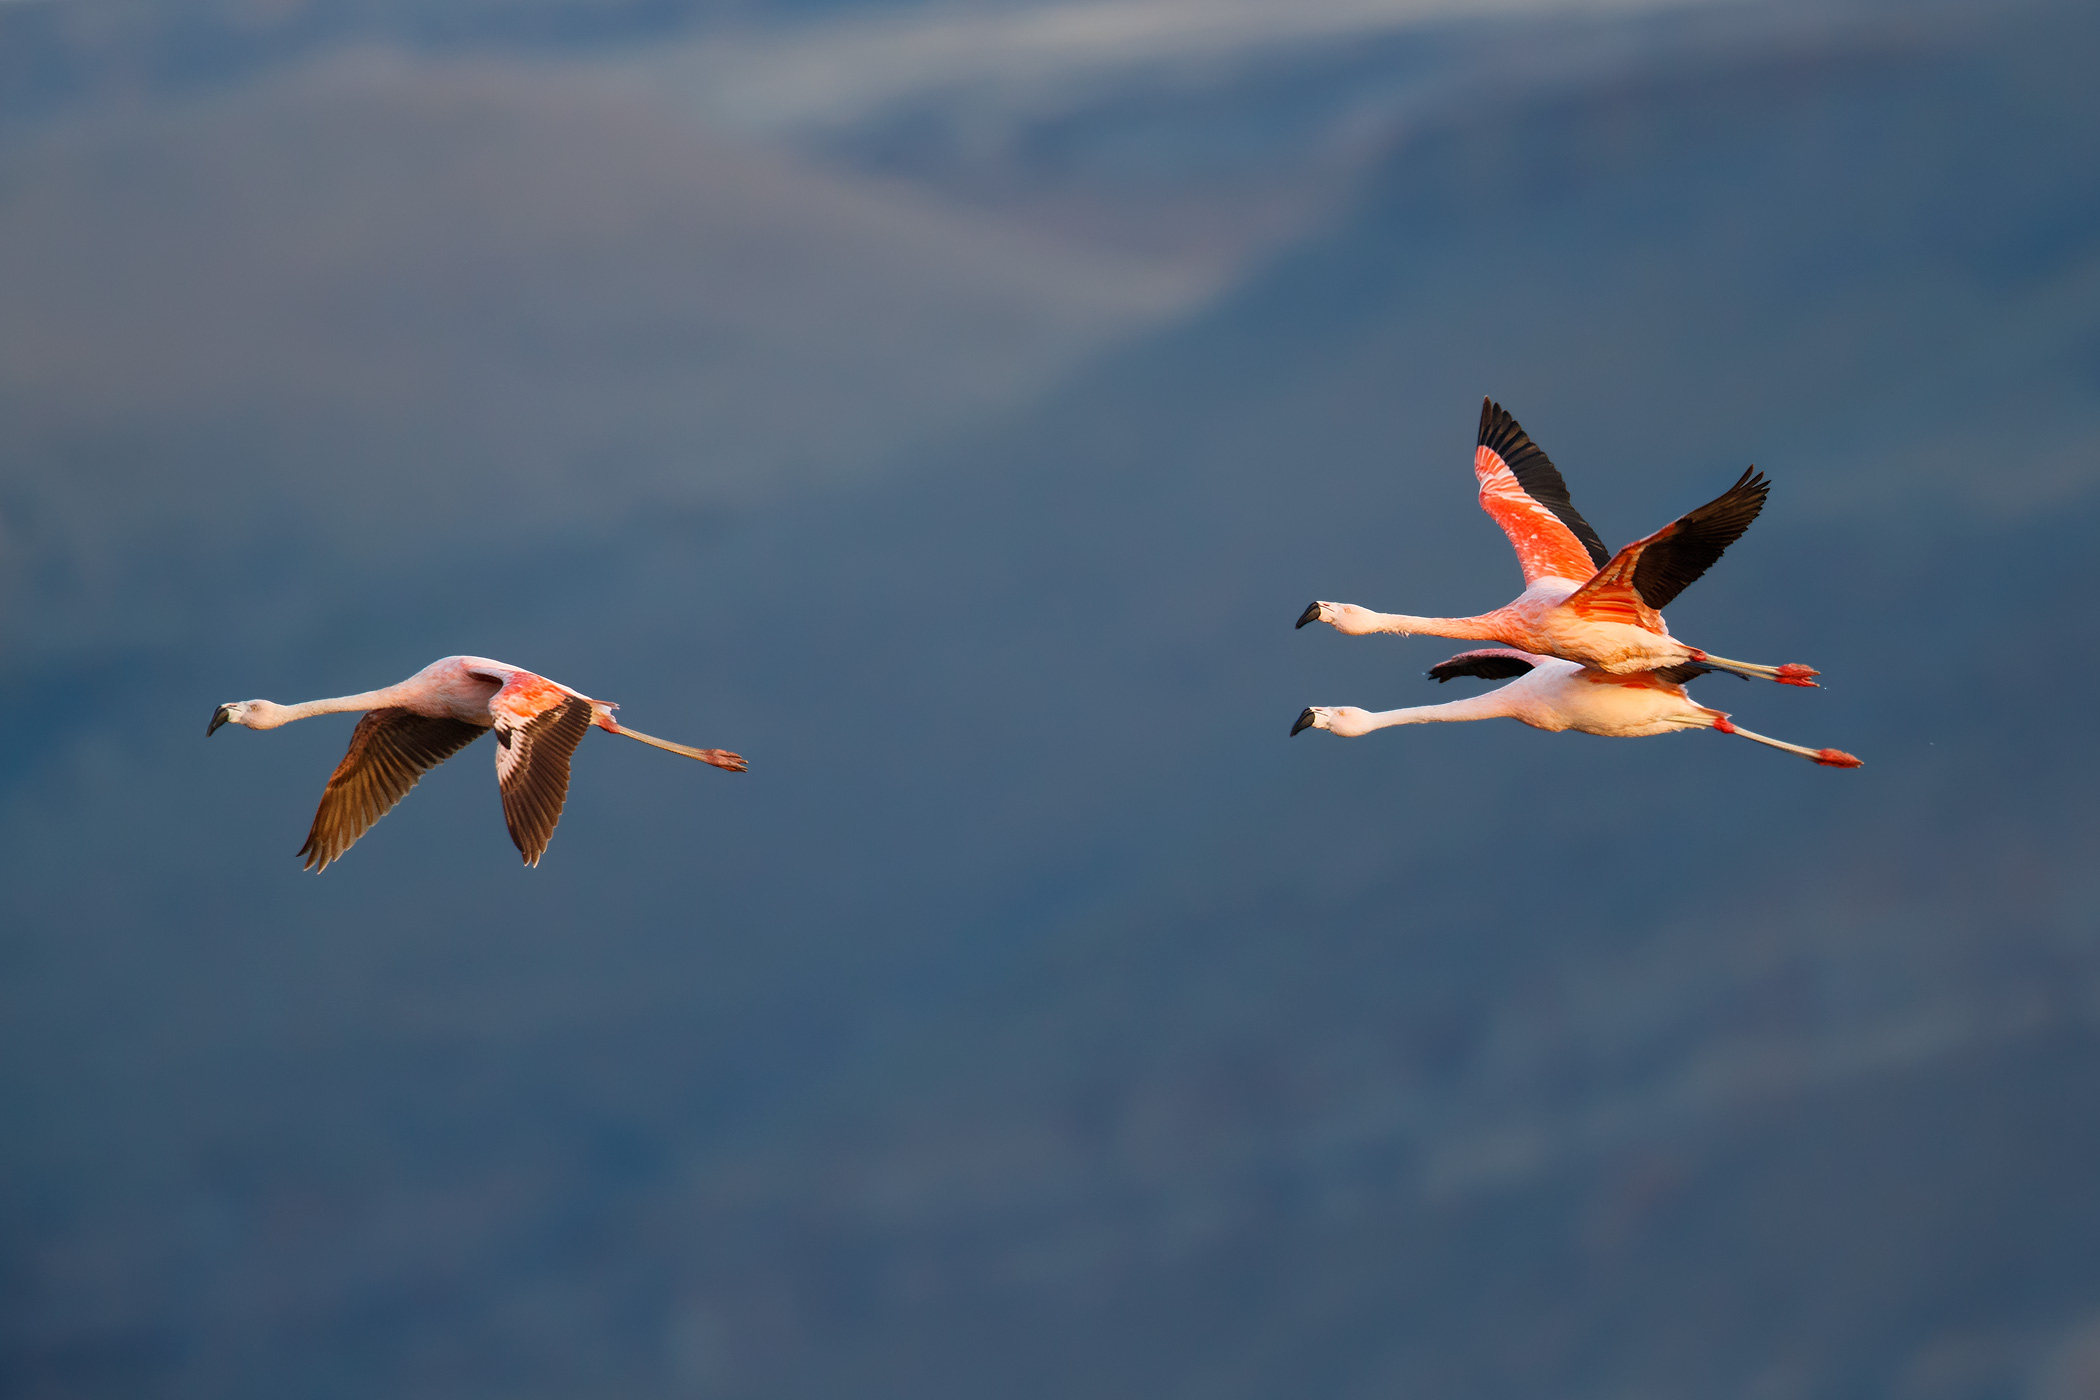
x=461, y=304
x=1462, y=990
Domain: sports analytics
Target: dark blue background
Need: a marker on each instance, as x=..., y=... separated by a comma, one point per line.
x=1035, y=1019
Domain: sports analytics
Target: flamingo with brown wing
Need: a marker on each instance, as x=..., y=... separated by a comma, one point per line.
x=412, y=727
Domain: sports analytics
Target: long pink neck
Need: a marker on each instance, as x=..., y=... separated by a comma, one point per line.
x=1493, y=705
x=1484, y=628
x=340, y=704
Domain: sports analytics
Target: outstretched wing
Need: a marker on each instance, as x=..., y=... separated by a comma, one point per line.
x=1648, y=574
x=1672, y=559
x=538, y=726
x=390, y=750
x=1489, y=664
x=1521, y=488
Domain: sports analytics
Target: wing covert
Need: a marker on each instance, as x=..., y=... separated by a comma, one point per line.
x=1522, y=489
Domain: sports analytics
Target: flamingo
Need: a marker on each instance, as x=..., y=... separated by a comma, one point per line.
x=412, y=727
x=1577, y=604
x=1553, y=694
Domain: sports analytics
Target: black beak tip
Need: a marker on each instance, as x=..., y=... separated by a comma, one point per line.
x=1311, y=614
x=1305, y=721
x=218, y=718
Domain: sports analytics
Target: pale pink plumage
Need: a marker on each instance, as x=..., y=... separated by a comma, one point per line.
x=1552, y=694
x=412, y=727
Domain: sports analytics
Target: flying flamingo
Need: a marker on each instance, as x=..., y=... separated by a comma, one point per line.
x=1553, y=694
x=410, y=728
x=1578, y=604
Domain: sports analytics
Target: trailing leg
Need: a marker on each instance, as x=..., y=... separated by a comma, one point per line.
x=1792, y=673
x=720, y=758
x=1828, y=758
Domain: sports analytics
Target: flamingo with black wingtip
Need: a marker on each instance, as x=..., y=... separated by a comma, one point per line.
x=412, y=727
x=1552, y=694
x=1579, y=603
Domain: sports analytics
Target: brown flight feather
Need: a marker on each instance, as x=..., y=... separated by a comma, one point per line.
x=390, y=750
x=533, y=771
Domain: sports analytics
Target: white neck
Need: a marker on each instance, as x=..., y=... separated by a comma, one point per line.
x=1493, y=705
x=266, y=714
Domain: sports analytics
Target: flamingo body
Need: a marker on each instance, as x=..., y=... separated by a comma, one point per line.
x=1553, y=694
x=1579, y=603
x=411, y=727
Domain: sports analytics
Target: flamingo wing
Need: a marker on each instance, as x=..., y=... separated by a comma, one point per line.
x=390, y=750
x=1522, y=489
x=538, y=726
x=1488, y=663
x=1672, y=559
x=1648, y=574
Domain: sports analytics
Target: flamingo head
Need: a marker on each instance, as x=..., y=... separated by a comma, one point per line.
x=249, y=714
x=1345, y=720
x=1346, y=618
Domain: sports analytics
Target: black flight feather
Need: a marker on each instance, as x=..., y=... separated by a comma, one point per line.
x=1685, y=672
x=1486, y=665
x=1674, y=562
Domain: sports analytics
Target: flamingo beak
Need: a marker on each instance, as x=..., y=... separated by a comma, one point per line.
x=1311, y=614
x=1305, y=721
x=218, y=718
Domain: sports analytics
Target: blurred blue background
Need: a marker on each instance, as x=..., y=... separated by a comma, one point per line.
x=951, y=408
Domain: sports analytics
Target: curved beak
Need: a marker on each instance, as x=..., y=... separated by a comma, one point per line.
x=218, y=718
x=1305, y=721
x=1311, y=614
